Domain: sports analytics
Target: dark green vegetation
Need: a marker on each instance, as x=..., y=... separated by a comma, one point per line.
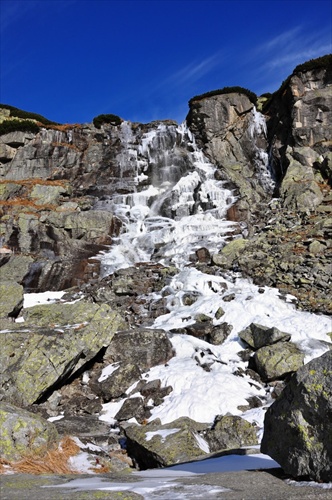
x=18, y=125
x=320, y=62
x=19, y=113
x=112, y=119
x=226, y=90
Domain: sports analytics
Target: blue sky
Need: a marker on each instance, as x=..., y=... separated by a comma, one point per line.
x=71, y=60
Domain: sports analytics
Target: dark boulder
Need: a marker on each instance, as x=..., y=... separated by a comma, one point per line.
x=298, y=426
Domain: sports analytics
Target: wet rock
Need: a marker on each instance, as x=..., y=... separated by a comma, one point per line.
x=221, y=125
x=203, y=255
x=298, y=425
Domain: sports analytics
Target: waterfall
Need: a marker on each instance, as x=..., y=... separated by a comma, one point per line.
x=257, y=131
x=177, y=205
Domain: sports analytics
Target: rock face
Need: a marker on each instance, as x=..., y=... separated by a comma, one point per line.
x=290, y=240
x=298, y=426
x=233, y=137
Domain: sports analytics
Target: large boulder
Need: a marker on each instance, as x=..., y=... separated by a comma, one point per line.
x=131, y=353
x=278, y=360
x=15, y=268
x=55, y=341
x=24, y=433
x=298, y=426
x=230, y=431
x=155, y=445
x=257, y=336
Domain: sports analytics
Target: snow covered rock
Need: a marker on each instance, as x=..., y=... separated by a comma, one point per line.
x=130, y=353
x=298, y=426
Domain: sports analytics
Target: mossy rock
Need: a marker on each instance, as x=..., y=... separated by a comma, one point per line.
x=230, y=252
x=278, y=360
x=155, y=445
x=24, y=433
x=55, y=341
x=11, y=298
x=230, y=432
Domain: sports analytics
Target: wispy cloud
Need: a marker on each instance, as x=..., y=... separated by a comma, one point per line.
x=297, y=56
x=291, y=48
x=280, y=40
x=277, y=57
x=194, y=70
x=12, y=11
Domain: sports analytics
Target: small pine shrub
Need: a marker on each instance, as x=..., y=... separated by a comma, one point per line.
x=18, y=125
x=320, y=62
x=19, y=113
x=226, y=90
x=112, y=119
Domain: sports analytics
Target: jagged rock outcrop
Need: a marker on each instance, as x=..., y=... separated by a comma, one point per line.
x=298, y=426
x=233, y=137
x=299, y=117
x=290, y=241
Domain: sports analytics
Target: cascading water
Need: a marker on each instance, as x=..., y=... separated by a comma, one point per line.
x=257, y=129
x=181, y=209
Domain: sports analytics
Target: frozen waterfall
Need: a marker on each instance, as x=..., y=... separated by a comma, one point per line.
x=178, y=205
